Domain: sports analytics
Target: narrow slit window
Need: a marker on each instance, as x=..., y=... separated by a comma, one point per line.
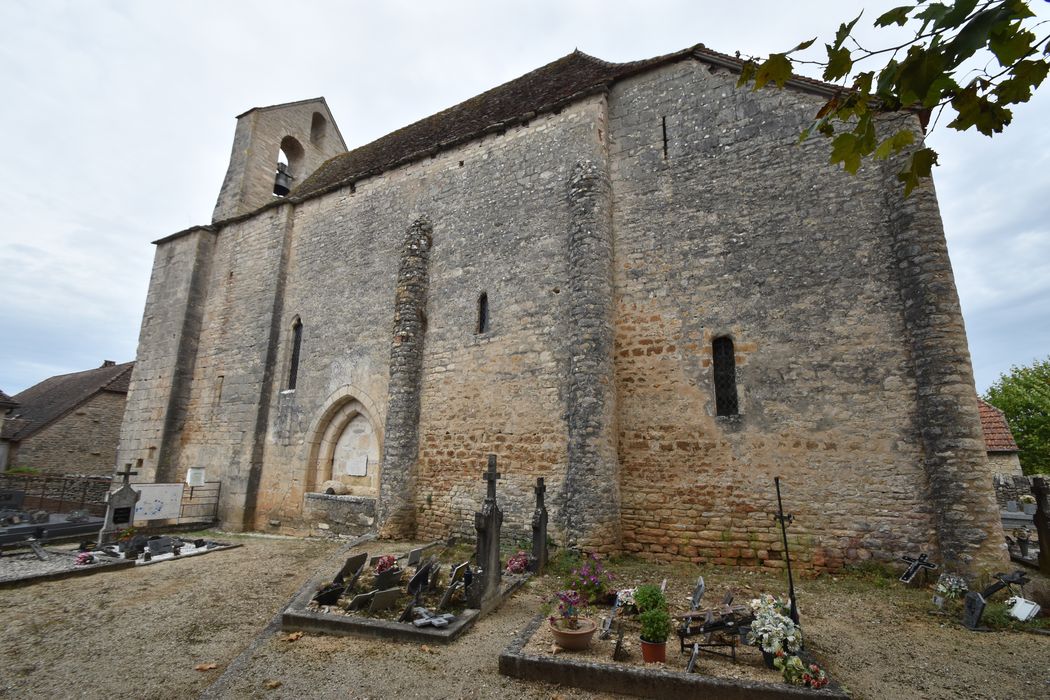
x=725, y=377
x=297, y=341
x=663, y=124
x=483, y=313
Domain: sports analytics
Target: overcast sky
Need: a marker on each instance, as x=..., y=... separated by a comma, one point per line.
x=118, y=119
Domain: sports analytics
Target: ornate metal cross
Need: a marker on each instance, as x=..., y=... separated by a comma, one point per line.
x=914, y=566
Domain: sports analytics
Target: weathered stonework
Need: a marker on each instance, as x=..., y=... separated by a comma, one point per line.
x=611, y=234
x=83, y=441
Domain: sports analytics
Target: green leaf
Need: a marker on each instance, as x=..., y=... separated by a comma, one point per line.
x=844, y=31
x=893, y=144
x=840, y=61
x=862, y=83
x=844, y=150
x=803, y=46
x=916, y=82
x=977, y=111
x=826, y=128
x=919, y=167
x=934, y=12
x=888, y=77
x=957, y=14
x=777, y=68
x=1026, y=76
x=747, y=73
x=1010, y=43
x=974, y=34
x=898, y=16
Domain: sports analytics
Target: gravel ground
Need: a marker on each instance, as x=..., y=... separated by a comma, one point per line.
x=141, y=632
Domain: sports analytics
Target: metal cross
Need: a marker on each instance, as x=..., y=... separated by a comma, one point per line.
x=127, y=473
x=540, y=489
x=491, y=476
x=915, y=565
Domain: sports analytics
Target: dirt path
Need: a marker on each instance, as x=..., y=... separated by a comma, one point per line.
x=140, y=632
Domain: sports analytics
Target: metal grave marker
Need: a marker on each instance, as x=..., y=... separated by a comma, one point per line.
x=539, y=529
x=914, y=565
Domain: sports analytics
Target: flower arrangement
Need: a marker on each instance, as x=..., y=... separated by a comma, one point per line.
x=592, y=580
x=625, y=597
x=772, y=630
x=796, y=672
x=385, y=563
x=569, y=604
x=1027, y=499
x=126, y=534
x=518, y=564
x=950, y=586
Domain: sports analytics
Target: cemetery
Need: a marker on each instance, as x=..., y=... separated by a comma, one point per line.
x=473, y=616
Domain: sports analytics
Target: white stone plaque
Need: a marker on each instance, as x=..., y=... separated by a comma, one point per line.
x=158, y=501
x=357, y=465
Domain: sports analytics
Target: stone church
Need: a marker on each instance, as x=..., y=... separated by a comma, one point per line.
x=629, y=279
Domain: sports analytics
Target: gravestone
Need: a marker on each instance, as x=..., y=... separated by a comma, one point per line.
x=455, y=582
x=358, y=602
x=120, y=508
x=618, y=653
x=914, y=564
x=352, y=567
x=11, y=499
x=693, y=658
x=1041, y=491
x=539, y=529
x=415, y=556
x=383, y=600
x=485, y=588
x=161, y=545
x=974, y=603
x=698, y=594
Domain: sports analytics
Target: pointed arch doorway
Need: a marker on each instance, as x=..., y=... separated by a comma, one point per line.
x=346, y=446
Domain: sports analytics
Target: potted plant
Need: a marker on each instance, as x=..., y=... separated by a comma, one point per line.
x=655, y=622
x=772, y=630
x=796, y=672
x=387, y=572
x=1028, y=504
x=592, y=580
x=569, y=629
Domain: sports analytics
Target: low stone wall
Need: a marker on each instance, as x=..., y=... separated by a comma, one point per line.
x=340, y=515
x=1010, y=487
x=59, y=494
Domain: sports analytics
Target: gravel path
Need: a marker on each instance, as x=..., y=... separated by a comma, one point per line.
x=141, y=632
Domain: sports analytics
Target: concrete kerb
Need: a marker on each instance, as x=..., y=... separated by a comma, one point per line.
x=641, y=682
x=217, y=689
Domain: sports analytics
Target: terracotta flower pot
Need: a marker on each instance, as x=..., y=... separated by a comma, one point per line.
x=574, y=639
x=654, y=652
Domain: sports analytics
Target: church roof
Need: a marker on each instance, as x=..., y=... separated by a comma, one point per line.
x=544, y=89
x=43, y=403
x=997, y=435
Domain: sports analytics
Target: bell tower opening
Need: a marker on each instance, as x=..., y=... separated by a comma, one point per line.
x=289, y=166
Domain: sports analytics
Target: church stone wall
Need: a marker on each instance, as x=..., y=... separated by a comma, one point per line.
x=730, y=228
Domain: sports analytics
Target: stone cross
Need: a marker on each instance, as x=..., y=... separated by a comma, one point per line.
x=1041, y=491
x=120, y=508
x=539, y=530
x=484, y=589
x=914, y=566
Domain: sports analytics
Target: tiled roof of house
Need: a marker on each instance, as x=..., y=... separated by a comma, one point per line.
x=997, y=435
x=544, y=89
x=6, y=402
x=43, y=403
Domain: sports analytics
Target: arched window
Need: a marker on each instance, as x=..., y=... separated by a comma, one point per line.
x=318, y=129
x=483, y=313
x=289, y=166
x=297, y=341
x=724, y=362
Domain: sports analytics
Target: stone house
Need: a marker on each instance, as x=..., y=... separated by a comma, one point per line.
x=999, y=441
x=68, y=424
x=629, y=279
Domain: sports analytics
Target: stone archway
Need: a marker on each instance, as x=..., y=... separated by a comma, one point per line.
x=346, y=445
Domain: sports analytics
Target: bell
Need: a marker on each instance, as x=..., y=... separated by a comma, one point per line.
x=282, y=184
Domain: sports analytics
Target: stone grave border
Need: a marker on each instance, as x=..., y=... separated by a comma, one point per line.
x=296, y=616
x=220, y=547
x=642, y=682
x=106, y=564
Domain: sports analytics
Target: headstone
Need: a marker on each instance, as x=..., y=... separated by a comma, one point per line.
x=698, y=594
x=1041, y=491
x=693, y=657
x=419, y=581
x=973, y=608
x=161, y=545
x=11, y=499
x=358, y=602
x=487, y=523
x=539, y=529
x=389, y=578
x=383, y=600
x=1011, y=507
x=415, y=556
x=120, y=508
x=329, y=595
x=618, y=653
x=352, y=567
x=914, y=564
x=455, y=581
